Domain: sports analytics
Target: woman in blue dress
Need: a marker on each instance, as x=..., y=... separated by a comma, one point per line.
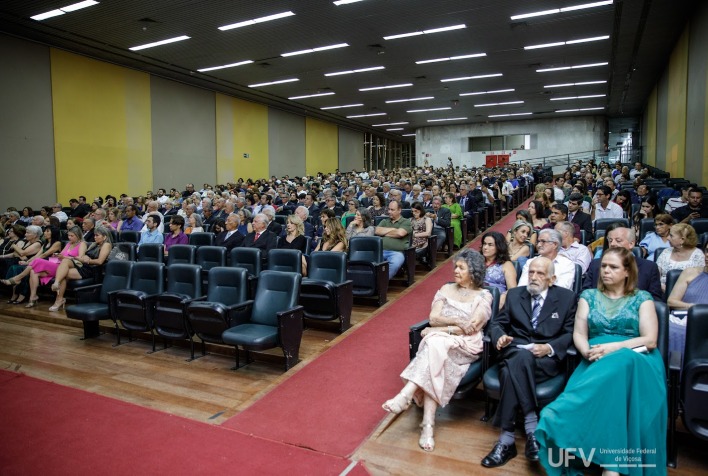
x=500, y=272
x=613, y=411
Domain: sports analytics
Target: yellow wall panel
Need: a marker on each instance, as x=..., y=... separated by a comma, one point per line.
x=321, y=146
x=676, y=114
x=102, y=130
x=241, y=128
x=650, y=128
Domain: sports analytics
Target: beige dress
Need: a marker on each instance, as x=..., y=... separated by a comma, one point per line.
x=442, y=359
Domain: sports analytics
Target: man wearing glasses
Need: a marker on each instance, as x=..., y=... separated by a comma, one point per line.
x=602, y=207
x=57, y=212
x=549, y=244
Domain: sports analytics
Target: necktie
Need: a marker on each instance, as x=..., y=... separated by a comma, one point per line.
x=535, y=311
x=258, y=235
x=570, y=217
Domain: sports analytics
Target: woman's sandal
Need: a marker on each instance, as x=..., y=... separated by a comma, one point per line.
x=55, y=286
x=8, y=282
x=397, y=404
x=426, y=441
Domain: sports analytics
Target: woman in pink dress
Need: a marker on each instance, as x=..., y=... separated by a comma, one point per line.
x=44, y=270
x=453, y=341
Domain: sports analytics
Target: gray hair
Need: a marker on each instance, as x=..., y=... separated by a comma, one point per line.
x=269, y=211
x=15, y=214
x=246, y=213
x=307, y=212
x=553, y=235
x=197, y=220
x=262, y=216
x=103, y=231
x=101, y=212
x=475, y=264
x=36, y=230
x=566, y=226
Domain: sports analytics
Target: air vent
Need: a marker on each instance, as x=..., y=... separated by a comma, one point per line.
x=420, y=78
x=264, y=65
x=148, y=20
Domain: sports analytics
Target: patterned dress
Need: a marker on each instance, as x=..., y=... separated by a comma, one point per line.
x=494, y=276
x=666, y=264
x=443, y=359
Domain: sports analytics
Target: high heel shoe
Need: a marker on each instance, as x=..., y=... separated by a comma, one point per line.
x=32, y=302
x=397, y=404
x=426, y=441
x=8, y=282
x=55, y=286
x=18, y=300
x=12, y=300
x=58, y=305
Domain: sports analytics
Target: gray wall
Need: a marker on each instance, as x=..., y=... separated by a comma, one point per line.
x=183, y=134
x=26, y=127
x=555, y=136
x=662, y=112
x=286, y=143
x=697, y=97
x=351, y=149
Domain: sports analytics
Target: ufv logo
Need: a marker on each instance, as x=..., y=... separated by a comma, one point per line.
x=565, y=455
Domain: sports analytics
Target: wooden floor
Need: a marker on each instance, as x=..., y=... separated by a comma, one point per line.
x=47, y=345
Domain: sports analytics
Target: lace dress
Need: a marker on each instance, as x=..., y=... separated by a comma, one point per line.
x=494, y=276
x=443, y=359
x=666, y=264
x=622, y=397
x=419, y=227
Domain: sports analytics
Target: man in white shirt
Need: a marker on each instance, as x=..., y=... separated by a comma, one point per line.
x=602, y=207
x=152, y=209
x=677, y=202
x=571, y=249
x=636, y=171
x=549, y=244
x=162, y=197
x=57, y=212
x=558, y=192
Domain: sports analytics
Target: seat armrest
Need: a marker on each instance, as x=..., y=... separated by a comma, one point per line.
x=239, y=313
x=414, y=337
x=675, y=362
x=290, y=327
x=87, y=294
x=419, y=326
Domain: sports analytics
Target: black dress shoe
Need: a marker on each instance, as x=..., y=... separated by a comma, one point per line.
x=499, y=455
x=532, y=447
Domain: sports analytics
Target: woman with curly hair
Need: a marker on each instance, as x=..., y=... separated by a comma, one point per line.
x=500, y=272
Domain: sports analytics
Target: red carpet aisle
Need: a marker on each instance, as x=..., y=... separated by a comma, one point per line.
x=49, y=429
x=334, y=403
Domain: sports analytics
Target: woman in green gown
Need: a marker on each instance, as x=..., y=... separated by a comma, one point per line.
x=613, y=411
x=456, y=217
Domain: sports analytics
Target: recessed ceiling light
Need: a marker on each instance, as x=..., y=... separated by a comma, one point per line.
x=584, y=83
x=583, y=109
x=448, y=119
x=232, y=65
x=464, y=78
x=60, y=11
x=562, y=68
x=390, y=124
x=159, y=43
x=290, y=80
x=360, y=70
x=569, y=42
x=256, y=20
x=579, y=97
x=49, y=14
x=431, y=109
x=425, y=32
x=488, y=92
x=499, y=103
x=367, y=115
x=345, y=2
x=311, y=96
x=407, y=135
x=561, y=10
x=341, y=107
x=451, y=58
x=390, y=86
x=315, y=50
x=395, y=129
x=515, y=114
x=391, y=101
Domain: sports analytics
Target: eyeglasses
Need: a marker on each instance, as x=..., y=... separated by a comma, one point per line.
x=543, y=242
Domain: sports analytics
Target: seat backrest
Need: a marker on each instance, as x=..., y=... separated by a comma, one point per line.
x=201, y=238
x=645, y=226
x=366, y=248
x=151, y=252
x=407, y=213
x=496, y=296
x=148, y=277
x=603, y=223
x=211, y=256
x=700, y=225
x=184, y=279
x=348, y=220
x=285, y=260
x=379, y=219
x=671, y=278
x=328, y=266
x=637, y=252
x=130, y=236
x=117, y=277
x=282, y=219
x=578, y=281
x=249, y=258
x=657, y=253
x=227, y=285
x=277, y=291
x=662, y=340
x=518, y=267
x=696, y=335
x=181, y=254
x=695, y=372
x=128, y=247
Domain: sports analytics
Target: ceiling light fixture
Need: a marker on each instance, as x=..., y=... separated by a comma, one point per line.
x=346, y=2
x=426, y=32
x=580, y=66
x=407, y=135
x=315, y=50
x=259, y=85
x=391, y=101
x=232, y=65
x=311, y=96
x=431, y=109
x=390, y=124
x=390, y=86
x=256, y=20
x=488, y=92
x=499, y=103
x=585, y=83
x=579, y=97
x=569, y=42
x=561, y=10
x=464, y=78
x=452, y=58
x=395, y=129
x=60, y=11
x=514, y=114
x=159, y=43
x=341, y=107
x=448, y=119
x=583, y=109
x=360, y=70
x=367, y=115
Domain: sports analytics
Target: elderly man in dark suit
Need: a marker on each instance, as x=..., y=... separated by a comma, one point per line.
x=532, y=333
x=230, y=238
x=260, y=237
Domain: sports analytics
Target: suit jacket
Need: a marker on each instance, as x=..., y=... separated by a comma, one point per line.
x=234, y=241
x=583, y=220
x=89, y=237
x=266, y=242
x=555, y=323
x=444, y=218
x=275, y=227
x=649, y=277
x=467, y=204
